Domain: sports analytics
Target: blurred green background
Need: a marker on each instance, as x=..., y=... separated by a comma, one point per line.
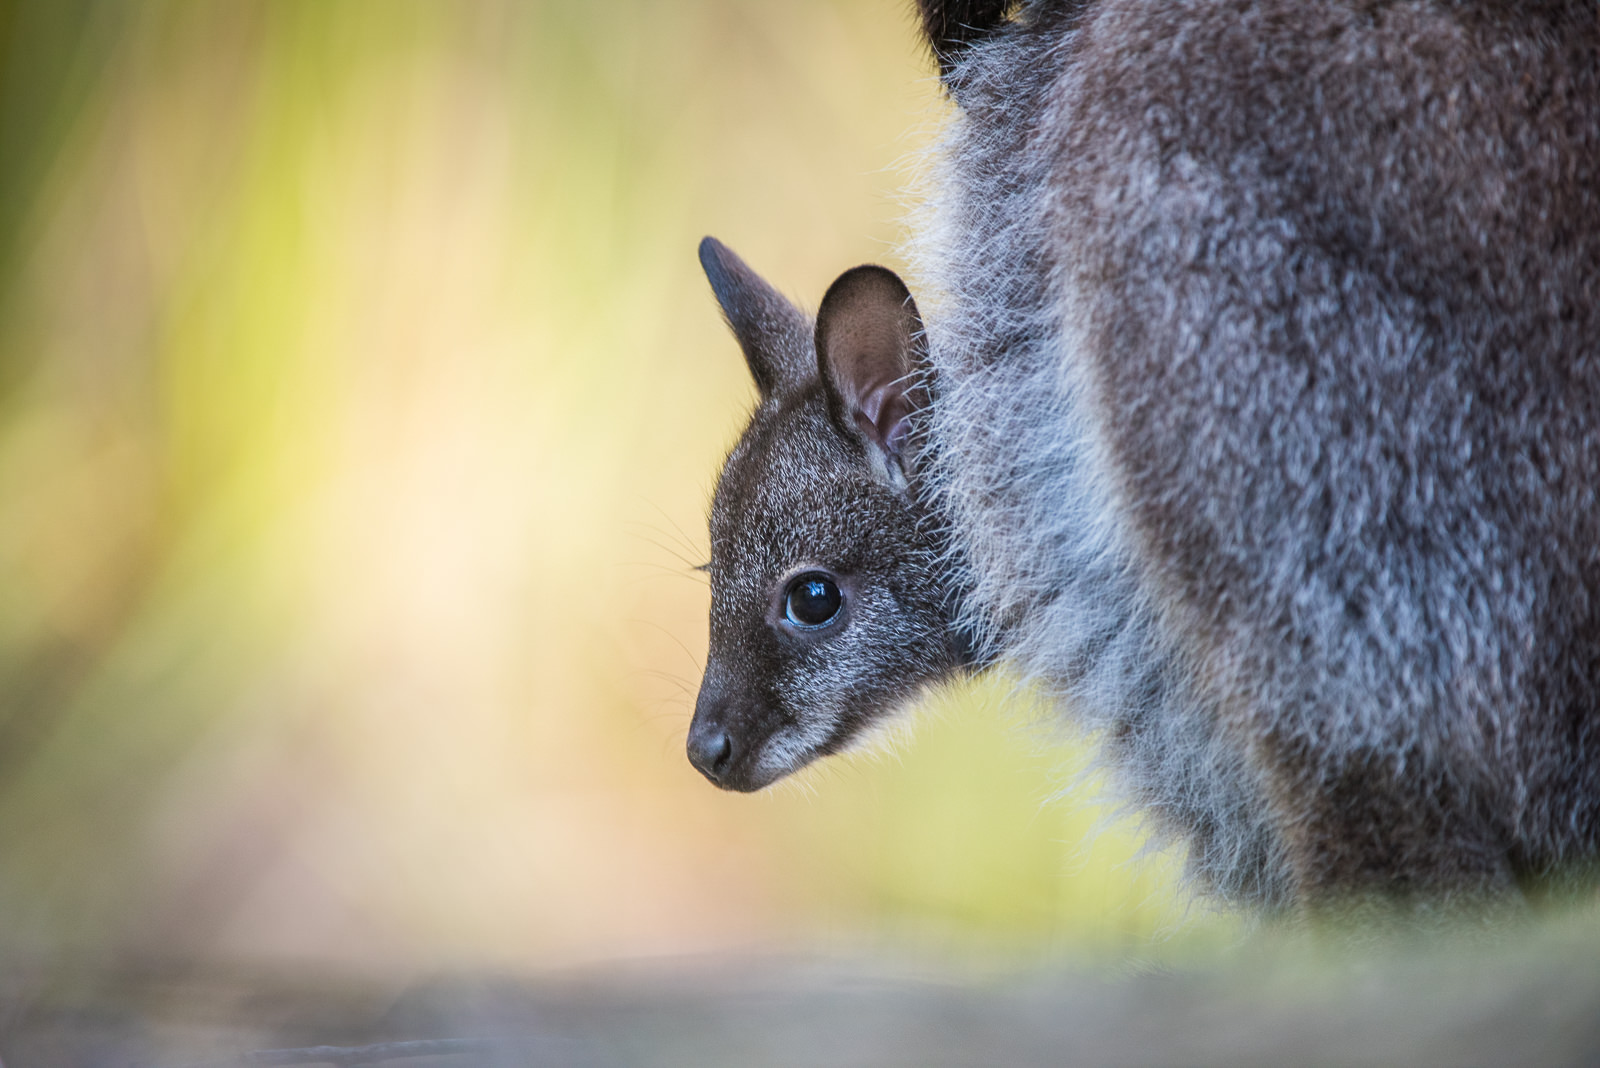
x=360, y=398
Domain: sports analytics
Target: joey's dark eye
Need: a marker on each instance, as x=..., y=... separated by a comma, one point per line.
x=813, y=600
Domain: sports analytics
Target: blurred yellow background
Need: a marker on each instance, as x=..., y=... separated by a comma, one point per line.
x=360, y=399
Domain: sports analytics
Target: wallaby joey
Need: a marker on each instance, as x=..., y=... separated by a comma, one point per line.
x=830, y=584
x=1257, y=420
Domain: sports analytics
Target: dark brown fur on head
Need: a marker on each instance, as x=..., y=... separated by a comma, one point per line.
x=816, y=511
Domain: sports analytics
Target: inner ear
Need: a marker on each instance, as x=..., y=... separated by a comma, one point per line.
x=870, y=356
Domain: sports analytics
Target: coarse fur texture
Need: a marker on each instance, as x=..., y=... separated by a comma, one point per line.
x=1257, y=423
x=816, y=488
x=1268, y=347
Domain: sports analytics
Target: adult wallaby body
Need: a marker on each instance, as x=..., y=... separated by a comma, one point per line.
x=1257, y=419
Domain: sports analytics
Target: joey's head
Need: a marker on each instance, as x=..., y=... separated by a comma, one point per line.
x=829, y=602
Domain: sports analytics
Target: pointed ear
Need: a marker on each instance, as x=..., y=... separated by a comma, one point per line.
x=774, y=334
x=871, y=353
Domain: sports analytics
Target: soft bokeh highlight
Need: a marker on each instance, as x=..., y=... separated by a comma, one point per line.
x=360, y=399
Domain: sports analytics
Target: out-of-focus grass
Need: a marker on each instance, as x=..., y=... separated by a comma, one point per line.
x=359, y=401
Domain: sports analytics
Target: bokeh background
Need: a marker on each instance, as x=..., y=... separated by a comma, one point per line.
x=360, y=400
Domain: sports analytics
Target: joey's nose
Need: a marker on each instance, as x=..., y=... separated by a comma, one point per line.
x=710, y=749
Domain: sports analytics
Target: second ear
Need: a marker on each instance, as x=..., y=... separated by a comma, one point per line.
x=868, y=337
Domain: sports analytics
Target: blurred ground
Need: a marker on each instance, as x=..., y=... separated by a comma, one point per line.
x=1528, y=997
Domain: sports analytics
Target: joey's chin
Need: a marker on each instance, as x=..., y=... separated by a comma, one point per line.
x=750, y=776
x=748, y=781
x=762, y=773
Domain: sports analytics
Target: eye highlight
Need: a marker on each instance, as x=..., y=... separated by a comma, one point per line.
x=813, y=600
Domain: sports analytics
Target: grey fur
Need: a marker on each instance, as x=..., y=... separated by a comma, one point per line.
x=1265, y=341
x=815, y=484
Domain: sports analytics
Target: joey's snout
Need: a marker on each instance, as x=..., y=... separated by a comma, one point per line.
x=726, y=744
x=710, y=749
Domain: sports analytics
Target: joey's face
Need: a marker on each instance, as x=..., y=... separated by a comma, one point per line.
x=828, y=609
x=828, y=606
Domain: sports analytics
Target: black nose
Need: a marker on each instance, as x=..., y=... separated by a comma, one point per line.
x=710, y=749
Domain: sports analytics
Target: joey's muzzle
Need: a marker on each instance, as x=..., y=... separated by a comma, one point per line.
x=710, y=749
x=725, y=746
